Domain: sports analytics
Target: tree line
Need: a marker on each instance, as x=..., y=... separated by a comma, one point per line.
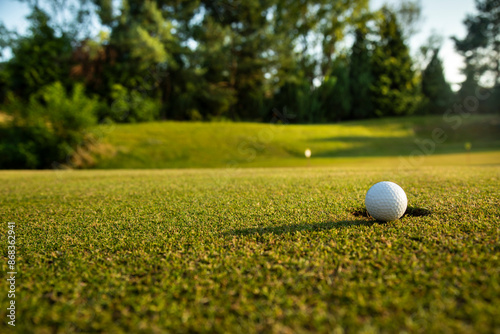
x=319, y=61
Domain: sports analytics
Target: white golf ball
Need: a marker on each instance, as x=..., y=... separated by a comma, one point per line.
x=386, y=201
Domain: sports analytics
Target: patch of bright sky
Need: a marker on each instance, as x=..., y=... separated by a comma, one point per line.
x=445, y=17
x=13, y=15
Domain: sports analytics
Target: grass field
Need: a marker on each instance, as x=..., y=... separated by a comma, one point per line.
x=283, y=250
x=182, y=145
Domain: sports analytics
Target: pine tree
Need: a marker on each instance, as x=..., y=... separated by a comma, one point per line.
x=360, y=77
x=481, y=50
x=335, y=94
x=436, y=91
x=394, y=90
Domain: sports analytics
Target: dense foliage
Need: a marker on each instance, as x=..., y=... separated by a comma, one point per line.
x=44, y=130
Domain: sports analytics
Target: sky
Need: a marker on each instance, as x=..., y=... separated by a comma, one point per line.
x=442, y=16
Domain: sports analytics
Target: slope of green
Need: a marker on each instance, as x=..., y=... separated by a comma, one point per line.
x=179, y=145
x=256, y=250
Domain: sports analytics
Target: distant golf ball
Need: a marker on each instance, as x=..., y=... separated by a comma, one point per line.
x=386, y=201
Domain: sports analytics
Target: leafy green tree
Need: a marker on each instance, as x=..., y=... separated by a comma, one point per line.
x=222, y=58
x=132, y=106
x=269, y=45
x=436, y=91
x=40, y=58
x=133, y=62
x=308, y=51
x=394, y=90
x=315, y=29
x=205, y=60
x=246, y=37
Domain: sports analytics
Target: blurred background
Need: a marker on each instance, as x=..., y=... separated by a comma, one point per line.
x=158, y=84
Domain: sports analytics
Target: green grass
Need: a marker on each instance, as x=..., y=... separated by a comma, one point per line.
x=283, y=250
x=181, y=145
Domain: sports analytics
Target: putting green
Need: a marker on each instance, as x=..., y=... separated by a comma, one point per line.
x=253, y=249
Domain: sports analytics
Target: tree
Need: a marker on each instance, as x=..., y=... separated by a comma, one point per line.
x=394, y=89
x=360, y=77
x=334, y=19
x=436, y=91
x=297, y=98
x=309, y=53
x=205, y=59
x=409, y=15
x=40, y=58
x=335, y=93
x=481, y=45
x=73, y=18
x=481, y=50
x=130, y=67
x=5, y=39
x=4, y=83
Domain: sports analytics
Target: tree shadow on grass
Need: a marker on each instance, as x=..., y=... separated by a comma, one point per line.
x=363, y=219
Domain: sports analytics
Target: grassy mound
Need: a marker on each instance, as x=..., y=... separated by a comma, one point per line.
x=180, y=145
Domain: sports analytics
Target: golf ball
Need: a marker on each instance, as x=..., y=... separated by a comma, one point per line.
x=386, y=201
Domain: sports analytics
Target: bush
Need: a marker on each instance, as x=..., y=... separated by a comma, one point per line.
x=131, y=106
x=47, y=129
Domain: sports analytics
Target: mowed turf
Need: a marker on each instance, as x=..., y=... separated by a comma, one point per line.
x=250, y=250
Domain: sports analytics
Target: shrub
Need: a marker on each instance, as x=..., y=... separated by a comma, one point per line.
x=131, y=106
x=46, y=129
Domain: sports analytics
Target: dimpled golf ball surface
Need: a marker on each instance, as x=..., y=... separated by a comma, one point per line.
x=386, y=201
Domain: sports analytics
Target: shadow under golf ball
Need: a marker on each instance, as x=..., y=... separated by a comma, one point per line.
x=417, y=212
x=410, y=212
